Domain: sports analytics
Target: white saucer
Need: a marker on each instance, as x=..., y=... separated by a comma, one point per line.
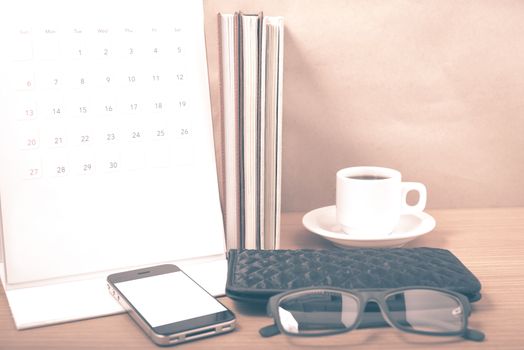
x=323, y=222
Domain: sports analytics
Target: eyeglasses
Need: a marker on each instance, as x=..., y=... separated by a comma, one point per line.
x=324, y=311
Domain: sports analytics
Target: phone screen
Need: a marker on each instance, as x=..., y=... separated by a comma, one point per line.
x=168, y=298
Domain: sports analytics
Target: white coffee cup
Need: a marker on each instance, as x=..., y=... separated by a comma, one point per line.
x=370, y=200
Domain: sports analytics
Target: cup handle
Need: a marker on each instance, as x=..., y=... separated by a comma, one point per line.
x=421, y=204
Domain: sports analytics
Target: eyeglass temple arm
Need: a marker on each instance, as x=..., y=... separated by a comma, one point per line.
x=269, y=331
x=272, y=329
x=472, y=334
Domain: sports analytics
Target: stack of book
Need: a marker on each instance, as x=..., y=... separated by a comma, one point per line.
x=251, y=54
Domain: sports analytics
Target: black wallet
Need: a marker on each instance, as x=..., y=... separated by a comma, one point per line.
x=256, y=275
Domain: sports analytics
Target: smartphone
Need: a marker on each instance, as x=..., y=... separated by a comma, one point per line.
x=168, y=305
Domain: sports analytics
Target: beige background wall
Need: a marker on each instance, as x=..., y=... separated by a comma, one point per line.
x=432, y=88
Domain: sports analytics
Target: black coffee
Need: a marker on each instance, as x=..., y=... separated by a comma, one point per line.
x=368, y=177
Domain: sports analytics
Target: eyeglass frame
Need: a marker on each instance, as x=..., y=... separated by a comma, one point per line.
x=364, y=296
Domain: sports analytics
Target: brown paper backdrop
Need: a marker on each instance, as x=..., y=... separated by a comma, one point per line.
x=434, y=89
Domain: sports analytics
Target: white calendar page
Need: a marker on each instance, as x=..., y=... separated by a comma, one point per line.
x=106, y=146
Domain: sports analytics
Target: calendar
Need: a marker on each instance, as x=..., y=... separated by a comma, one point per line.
x=106, y=146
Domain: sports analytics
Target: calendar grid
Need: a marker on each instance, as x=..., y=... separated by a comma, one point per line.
x=130, y=80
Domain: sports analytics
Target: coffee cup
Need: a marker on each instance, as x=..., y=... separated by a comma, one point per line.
x=370, y=200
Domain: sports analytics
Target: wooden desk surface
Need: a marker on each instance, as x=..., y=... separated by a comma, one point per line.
x=490, y=242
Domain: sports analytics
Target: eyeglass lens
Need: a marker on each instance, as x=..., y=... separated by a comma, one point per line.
x=323, y=312
x=426, y=311
x=318, y=312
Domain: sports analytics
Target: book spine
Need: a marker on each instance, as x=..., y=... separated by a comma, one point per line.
x=239, y=212
x=261, y=131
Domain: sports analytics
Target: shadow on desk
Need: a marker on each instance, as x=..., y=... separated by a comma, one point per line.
x=251, y=309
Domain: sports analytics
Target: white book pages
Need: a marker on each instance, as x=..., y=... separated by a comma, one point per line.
x=250, y=127
x=272, y=51
x=229, y=86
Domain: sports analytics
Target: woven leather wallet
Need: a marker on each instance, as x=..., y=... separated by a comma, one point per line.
x=256, y=275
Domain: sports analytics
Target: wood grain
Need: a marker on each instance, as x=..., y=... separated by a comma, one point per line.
x=490, y=242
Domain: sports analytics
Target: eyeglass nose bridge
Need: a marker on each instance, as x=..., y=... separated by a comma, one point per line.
x=375, y=297
x=368, y=317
